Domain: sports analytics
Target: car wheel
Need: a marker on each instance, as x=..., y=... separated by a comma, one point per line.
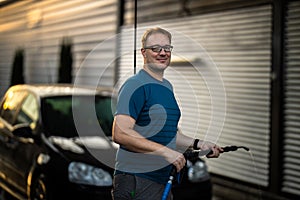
x=39, y=188
x=5, y=195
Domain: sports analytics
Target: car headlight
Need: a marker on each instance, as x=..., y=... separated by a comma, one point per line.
x=86, y=174
x=197, y=172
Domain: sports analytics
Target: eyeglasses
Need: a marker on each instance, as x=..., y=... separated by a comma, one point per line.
x=157, y=48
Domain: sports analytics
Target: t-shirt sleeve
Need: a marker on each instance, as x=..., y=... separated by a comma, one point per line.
x=131, y=99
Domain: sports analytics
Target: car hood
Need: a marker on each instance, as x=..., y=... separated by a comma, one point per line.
x=89, y=149
x=79, y=145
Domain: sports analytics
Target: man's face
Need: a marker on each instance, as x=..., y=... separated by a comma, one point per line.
x=157, y=61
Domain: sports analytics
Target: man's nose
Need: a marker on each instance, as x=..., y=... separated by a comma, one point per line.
x=162, y=52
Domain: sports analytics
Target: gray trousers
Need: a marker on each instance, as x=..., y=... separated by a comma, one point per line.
x=126, y=187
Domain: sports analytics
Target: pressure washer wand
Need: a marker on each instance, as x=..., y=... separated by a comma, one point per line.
x=234, y=148
x=201, y=153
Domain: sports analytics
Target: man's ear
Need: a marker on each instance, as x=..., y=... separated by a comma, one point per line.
x=143, y=51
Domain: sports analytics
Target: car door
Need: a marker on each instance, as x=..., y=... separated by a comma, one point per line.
x=25, y=150
x=21, y=151
x=9, y=109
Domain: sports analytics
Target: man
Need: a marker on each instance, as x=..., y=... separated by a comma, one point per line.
x=146, y=126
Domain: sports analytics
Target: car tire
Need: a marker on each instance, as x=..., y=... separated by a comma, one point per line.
x=40, y=190
x=5, y=195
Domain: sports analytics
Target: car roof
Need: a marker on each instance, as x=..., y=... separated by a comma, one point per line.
x=48, y=90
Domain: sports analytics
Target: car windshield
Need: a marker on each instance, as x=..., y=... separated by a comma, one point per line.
x=73, y=116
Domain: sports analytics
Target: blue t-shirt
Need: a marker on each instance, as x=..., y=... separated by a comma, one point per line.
x=153, y=105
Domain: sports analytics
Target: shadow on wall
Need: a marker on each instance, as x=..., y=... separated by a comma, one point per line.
x=66, y=61
x=17, y=75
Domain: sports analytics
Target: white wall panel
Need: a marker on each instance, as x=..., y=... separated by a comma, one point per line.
x=88, y=23
x=291, y=160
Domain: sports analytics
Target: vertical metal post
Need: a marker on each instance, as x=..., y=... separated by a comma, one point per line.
x=134, y=38
x=277, y=97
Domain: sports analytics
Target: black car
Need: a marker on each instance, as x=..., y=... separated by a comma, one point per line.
x=55, y=143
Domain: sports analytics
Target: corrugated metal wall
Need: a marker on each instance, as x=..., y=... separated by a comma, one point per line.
x=291, y=164
x=39, y=27
x=172, y=9
x=239, y=42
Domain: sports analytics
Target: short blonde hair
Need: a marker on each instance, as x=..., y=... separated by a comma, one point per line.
x=152, y=31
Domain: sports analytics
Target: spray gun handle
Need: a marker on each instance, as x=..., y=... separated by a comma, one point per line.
x=192, y=154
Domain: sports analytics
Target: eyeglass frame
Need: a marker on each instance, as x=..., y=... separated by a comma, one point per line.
x=160, y=48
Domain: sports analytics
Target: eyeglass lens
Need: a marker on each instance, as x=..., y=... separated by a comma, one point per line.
x=158, y=49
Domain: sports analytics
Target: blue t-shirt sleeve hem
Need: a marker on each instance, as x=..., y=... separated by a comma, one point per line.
x=131, y=99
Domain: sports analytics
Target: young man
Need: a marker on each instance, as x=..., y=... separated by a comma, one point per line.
x=145, y=126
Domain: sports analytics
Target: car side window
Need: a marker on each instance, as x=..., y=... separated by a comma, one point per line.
x=29, y=111
x=11, y=105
